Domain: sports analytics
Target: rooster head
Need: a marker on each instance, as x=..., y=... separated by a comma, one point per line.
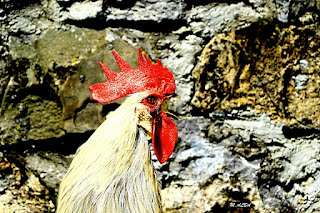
x=151, y=77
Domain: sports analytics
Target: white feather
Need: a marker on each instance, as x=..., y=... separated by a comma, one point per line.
x=112, y=171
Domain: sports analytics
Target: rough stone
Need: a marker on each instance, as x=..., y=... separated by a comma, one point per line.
x=287, y=166
x=49, y=167
x=301, y=81
x=57, y=70
x=262, y=126
x=181, y=61
x=85, y=10
x=208, y=20
x=207, y=173
x=299, y=7
x=22, y=192
x=157, y=11
x=237, y=70
x=296, y=174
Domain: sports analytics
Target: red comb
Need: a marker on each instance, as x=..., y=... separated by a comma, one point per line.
x=148, y=76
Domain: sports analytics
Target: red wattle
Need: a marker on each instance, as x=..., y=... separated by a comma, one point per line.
x=164, y=136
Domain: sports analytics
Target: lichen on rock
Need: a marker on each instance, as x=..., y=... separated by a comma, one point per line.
x=257, y=67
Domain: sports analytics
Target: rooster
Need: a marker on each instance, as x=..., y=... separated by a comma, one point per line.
x=112, y=171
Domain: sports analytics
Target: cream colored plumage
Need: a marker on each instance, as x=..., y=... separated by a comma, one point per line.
x=112, y=171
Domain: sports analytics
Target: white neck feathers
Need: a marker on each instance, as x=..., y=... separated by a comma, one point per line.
x=112, y=171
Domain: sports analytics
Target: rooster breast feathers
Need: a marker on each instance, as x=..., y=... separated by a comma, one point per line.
x=112, y=171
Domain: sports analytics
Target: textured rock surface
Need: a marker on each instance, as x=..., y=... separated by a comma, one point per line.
x=22, y=191
x=247, y=73
x=158, y=11
x=264, y=70
x=246, y=160
x=50, y=96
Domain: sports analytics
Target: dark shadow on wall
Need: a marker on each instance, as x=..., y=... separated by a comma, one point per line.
x=299, y=131
x=65, y=145
x=165, y=26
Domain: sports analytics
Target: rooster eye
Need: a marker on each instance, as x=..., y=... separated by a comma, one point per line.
x=151, y=100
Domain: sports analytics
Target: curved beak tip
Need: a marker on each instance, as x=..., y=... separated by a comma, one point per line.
x=175, y=95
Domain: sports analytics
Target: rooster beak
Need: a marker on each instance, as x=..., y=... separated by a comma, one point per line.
x=175, y=95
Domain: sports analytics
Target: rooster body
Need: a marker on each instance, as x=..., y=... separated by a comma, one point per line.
x=112, y=172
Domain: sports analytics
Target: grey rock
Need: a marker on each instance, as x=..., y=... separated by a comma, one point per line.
x=274, y=198
x=181, y=59
x=236, y=164
x=283, y=10
x=85, y=10
x=303, y=160
x=293, y=9
x=301, y=81
x=309, y=17
x=21, y=190
x=55, y=12
x=298, y=164
x=5, y=182
x=206, y=159
x=304, y=64
x=197, y=159
x=157, y=11
x=49, y=167
x=261, y=126
x=25, y=20
x=200, y=168
x=289, y=174
x=208, y=20
x=299, y=7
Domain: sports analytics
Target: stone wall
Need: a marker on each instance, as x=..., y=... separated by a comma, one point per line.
x=247, y=73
